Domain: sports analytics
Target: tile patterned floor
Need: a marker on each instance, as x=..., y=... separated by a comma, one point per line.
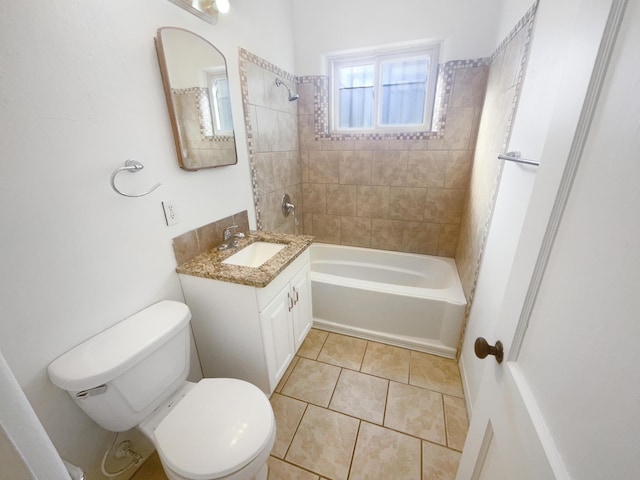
x=351, y=409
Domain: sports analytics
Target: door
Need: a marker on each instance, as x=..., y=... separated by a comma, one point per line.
x=564, y=402
x=277, y=335
x=26, y=450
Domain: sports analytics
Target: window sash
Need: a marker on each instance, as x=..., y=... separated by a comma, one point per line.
x=403, y=100
x=389, y=105
x=220, y=103
x=355, y=96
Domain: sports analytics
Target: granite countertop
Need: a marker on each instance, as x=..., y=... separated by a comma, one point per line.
x=209, y=264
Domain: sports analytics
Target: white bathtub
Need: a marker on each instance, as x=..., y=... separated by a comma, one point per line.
x=403, y=299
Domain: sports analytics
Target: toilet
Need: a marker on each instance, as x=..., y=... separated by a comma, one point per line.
x=134, y=375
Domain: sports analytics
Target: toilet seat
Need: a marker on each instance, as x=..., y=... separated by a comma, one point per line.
x=219, y=427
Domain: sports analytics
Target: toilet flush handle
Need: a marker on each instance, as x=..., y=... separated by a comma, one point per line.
x=92, y=391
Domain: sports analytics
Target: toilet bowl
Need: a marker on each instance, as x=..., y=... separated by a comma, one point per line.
x=134, y=375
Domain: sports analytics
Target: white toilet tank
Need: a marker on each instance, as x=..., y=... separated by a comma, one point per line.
x=124, y=373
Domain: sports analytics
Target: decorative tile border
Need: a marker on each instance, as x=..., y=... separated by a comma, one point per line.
x=446, y=73
x=204, y=112
x=525, y=22
x=267, y=65
x=201, y=98
x=244, y=57
x=441, y=103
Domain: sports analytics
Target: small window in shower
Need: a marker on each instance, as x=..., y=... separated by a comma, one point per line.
x=220, y=102
x=384, y=91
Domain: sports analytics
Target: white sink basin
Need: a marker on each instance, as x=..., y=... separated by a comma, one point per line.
x=255, y=254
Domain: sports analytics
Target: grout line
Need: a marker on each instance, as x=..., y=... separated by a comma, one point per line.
x=386, y=403
x=298, y=466
x=444, y=419
x=364, y=354
x=335, y=386
x=295, y=432
x=353, y=453
x=421, y=459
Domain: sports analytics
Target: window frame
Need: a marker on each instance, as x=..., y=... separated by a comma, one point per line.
x=211, y=75
x=377, y=57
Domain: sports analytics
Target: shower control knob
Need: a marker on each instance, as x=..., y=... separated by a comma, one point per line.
x=483, y=349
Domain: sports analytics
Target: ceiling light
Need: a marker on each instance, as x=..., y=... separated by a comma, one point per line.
x=222, y=5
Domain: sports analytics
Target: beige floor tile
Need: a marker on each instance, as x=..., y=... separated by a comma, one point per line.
x=439, y=463
x=382, y=453
x=360, y=395
x=312, y=382
x=324, y=442
x=387, y=361
x=435, y=373
x=343, y=351
x=288, y=413
x=286, y=375
x=279, y=470
x=312, y=345
x=415, y=411
x=455, y=416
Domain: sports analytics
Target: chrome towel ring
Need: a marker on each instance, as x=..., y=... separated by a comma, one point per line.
x=132, y=166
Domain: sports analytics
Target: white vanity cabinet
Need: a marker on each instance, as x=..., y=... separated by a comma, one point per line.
x=248, y=332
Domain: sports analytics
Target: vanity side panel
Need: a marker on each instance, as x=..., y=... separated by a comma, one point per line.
x=226, y=327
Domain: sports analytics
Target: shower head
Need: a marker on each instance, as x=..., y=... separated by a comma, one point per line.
x=292, y=95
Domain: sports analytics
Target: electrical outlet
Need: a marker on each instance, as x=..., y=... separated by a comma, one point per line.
x=170, y=214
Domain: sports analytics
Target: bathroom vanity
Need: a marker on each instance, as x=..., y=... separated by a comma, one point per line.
x=249, y=321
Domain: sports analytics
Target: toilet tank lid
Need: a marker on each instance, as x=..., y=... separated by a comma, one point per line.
x=113, y=351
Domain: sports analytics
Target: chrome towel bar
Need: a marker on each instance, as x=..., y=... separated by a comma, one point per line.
x=515, y=157
x=132, y=166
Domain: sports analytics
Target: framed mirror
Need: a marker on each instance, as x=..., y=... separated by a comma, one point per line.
x=194, y=76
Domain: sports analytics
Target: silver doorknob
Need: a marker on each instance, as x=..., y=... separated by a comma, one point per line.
x=483, y=349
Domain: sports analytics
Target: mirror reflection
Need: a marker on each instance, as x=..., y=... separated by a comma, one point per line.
x=196, y=85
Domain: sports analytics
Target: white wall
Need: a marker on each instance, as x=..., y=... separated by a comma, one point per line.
x=508, y=14
x=467, y=27
x=80, y=93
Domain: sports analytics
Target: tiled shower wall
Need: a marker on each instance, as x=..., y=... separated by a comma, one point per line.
x=503, y=87
x=401, y=192
x=405, y=192
x=272, y=134
x=397, y=192
x=201, y=148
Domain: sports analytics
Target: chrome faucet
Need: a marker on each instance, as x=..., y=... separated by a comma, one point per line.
x=230, y=239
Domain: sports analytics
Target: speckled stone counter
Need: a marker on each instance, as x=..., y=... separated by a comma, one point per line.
x=209, y=264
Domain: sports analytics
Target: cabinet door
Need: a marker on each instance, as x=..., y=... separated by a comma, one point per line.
x=302, y=313
x=277, y=335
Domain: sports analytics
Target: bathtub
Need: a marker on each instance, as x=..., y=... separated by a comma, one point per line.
x=402, y=299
